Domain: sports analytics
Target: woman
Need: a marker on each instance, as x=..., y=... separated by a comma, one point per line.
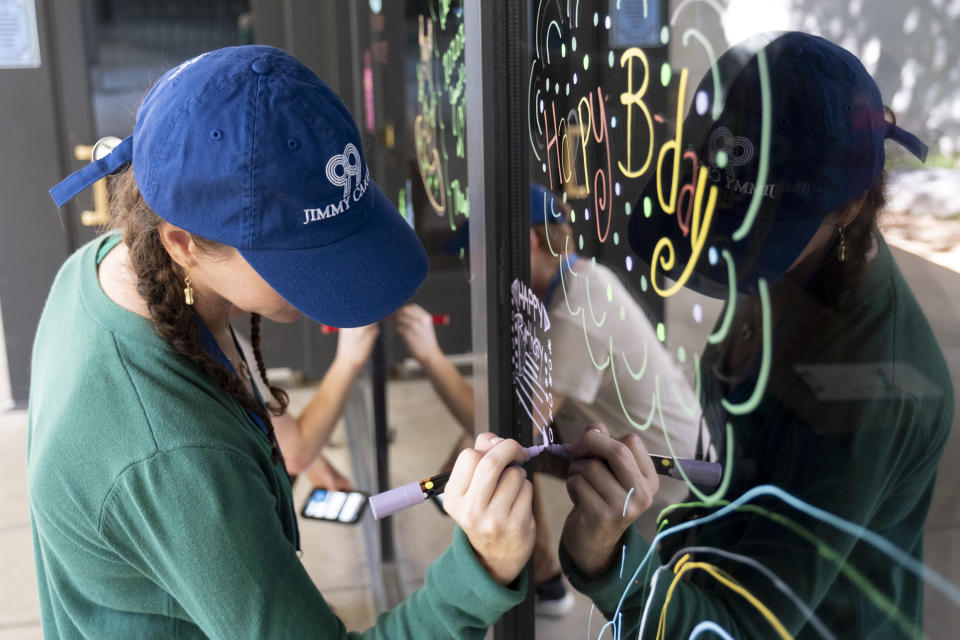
x=159, y=502
x=823, y=380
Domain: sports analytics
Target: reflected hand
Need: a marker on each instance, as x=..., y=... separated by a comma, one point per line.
x=322, y=474
x=354, y=345
x=604, y=505
x=415, y=326
x=492, y=502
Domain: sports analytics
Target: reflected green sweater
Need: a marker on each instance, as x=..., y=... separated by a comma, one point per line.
x=853, y=420
x=155, y=508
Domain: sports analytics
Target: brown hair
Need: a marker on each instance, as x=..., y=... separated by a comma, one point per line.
x=160, y=284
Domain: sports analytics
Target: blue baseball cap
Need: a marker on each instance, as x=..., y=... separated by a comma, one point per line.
x=826, y=148
x=544, y=206
x=247, y=147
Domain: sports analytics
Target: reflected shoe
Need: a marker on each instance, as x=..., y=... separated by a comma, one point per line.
x=552, y=598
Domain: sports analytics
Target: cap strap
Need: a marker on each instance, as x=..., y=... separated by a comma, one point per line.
x=80, y=180
x=908, y=141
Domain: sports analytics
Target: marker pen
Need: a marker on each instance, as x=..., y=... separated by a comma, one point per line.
x=442, y=319
x=700, y=472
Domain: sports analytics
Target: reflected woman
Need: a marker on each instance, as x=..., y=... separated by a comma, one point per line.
x=822, y=381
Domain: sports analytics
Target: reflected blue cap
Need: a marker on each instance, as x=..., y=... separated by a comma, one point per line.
x=824, y=148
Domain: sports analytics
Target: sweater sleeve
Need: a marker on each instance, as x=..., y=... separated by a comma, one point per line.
x=771, y=569
x=201, y=524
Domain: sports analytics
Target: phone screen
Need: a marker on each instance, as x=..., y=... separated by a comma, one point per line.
x=334, y=506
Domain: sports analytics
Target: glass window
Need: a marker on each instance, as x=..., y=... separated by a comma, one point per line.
x=730, y=269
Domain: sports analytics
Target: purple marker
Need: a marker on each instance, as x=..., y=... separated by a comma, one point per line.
x=699, y=472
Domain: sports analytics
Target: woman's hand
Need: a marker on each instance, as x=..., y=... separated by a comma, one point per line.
x=355, y=344
x=324, y=475
x=604, y=505
x=415, y=326
x=492, y=502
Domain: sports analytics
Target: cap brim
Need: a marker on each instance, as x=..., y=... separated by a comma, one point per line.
x=355, y=281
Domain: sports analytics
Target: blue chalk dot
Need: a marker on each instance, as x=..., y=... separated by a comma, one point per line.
x=713, y=256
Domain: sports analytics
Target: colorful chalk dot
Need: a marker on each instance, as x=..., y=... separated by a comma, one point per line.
x=697, y=313
x=629, y=262
x=581, y=242
x=722, y=159
x=647, y=207
x=627, y=208
x=607, y=22
x=623, y=313
x=643, y=283
x=544, y=167
x=593, y=262
x=573, y=217
x=681, y=354
x=564, y=196
x=563, y=50
x=616, y=238
x=547, y=86
x=586, y=213
x=556, y=87
x=541, y=106
x=568, y=88
x=616, y=188
x=661, y=332
x=609, y=292
x=702, y=101
x=586, y=61
x=573, y=43
x=666, y=73
x=665, y=34
x=596, y=18
x=610, y=59
x=613, y=122
x=713, y=256
x=576, y=78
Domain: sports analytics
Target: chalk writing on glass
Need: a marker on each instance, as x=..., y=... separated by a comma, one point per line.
x=441, y=110
x=531, y=359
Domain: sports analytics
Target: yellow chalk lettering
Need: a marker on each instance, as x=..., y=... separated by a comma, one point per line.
x=632, y=99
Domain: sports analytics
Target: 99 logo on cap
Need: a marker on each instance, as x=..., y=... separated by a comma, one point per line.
x=343, y=170
x=342, y=167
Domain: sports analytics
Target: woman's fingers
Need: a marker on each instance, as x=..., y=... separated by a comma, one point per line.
x=462, y=474
x=491, y=467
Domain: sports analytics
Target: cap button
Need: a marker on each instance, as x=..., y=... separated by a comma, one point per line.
x=261, y=66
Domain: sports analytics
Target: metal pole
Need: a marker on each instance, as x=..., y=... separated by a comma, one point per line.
x=497, y=167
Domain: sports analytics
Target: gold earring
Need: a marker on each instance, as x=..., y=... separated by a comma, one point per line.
x=188, y=290
x=843, y=245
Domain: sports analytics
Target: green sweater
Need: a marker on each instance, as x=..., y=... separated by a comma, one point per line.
x=853, y=421
x=155, y=508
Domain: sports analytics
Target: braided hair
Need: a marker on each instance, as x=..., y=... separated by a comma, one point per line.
x=159, y=283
